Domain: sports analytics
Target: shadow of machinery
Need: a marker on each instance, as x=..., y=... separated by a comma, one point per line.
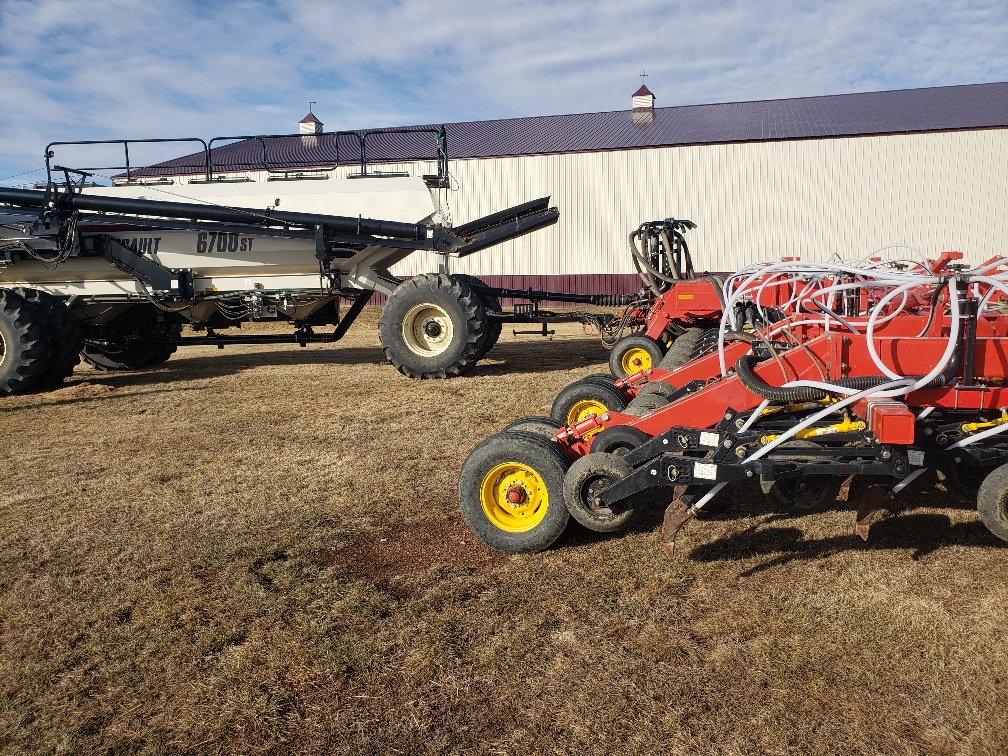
x=924, y=532
x=505, y=358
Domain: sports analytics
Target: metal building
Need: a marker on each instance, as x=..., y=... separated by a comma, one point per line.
x=815, y=177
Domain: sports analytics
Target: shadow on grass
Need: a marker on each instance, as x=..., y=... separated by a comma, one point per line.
x=925, y=533
x=922, y=532
x=504, y=359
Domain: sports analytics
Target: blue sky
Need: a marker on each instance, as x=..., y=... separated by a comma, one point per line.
x=107, y=69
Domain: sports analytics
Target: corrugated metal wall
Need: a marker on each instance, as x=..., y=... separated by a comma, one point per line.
x=753, y=201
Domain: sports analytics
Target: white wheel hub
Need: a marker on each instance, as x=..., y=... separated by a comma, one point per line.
x=428, y=330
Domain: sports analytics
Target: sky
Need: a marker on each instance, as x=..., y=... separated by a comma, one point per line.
x=123, y=69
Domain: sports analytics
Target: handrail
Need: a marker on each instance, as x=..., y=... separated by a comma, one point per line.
x=49, y=154
x=261, y=138
x=208, y=167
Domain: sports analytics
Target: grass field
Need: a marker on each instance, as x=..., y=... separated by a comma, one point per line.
x=259, y=551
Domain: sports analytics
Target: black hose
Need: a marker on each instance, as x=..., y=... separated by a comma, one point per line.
x=800, y=394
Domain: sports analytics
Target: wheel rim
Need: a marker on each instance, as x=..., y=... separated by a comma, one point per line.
x=3, y=349
x=583, y=410
x=514, y=497
x=635, y=359
x=428, y=330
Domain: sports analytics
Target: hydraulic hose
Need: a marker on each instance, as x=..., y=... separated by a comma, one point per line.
x=798, y=394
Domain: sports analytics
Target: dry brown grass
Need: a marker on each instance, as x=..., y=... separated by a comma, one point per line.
x=259, y=551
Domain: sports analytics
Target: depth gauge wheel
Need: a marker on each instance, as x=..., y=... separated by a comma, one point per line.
x=511, y=492
x=433, y=327
x=24, y=344
x=586, y=479
x=992, y=502
x=803, y=494
x=634, y=353
x=583, y=398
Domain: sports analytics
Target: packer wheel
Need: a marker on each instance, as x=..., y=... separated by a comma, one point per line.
x=24, y=344
x=992, y=502
x=682, y=348
x=511, y=492
x=433, y=327
x=634, y=353
x=660, y=388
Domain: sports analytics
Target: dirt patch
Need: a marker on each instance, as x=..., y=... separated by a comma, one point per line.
x=82, y=390
x=412, y=547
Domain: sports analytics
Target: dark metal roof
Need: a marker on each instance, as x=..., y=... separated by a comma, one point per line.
x=973, y=106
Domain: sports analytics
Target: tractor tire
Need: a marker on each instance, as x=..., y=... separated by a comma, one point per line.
x=139, y=326
x=24, y=344
x=491, y=304
x=511, y=492
x=634, y=353
x=681, y=350
x=583, y=398
x=433, y=327
x=64, y=336
x=992, y=502
x=587, y=477
x=540, y=426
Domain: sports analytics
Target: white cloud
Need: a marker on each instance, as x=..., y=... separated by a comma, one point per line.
x=89, y=69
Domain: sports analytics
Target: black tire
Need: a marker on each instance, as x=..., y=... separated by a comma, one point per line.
x=587, y=478
x=64, y=336
x=139, y=328
x=619, y=440
x=491, y=304
x=527, y=466
x=992, y=502
x=540, y=426
x=643, y=405
x=433, y=327
x=634, y=353
x=24, y=344
x=585, y=397
x=659, y=388
x=800, y=495
x=803, y=494
x=706, y=344
x=681, y=350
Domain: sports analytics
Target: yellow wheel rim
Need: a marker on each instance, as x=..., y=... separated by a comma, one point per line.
x=583, y=409
x=634, y=360
x=514, y=497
